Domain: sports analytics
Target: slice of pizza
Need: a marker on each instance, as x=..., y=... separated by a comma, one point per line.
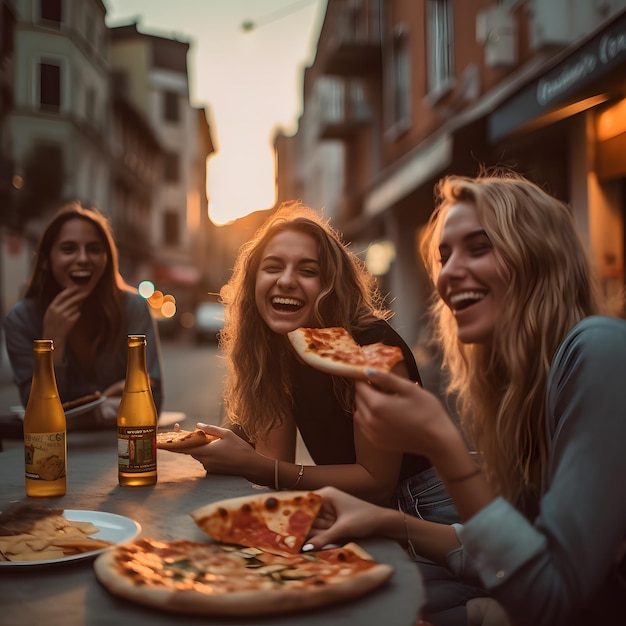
x=334, y=351
x=181, y=440
x=278, y=522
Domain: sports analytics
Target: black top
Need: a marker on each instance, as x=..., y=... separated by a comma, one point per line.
x=325, y=426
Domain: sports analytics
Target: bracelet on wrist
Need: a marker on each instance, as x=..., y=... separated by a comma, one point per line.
x=410, y=548
x=276, y=476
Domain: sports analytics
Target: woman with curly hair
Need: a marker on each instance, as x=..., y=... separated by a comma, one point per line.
x=296, y=271
x=538, y=368
x=77, y=297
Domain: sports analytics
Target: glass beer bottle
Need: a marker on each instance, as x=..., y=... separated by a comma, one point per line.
x=45, y=428
x=137, y=421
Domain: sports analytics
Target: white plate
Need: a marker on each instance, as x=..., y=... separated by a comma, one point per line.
x=84, y=408
x=112, y=527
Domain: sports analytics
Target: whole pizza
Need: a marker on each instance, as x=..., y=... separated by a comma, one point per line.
x=229, y=578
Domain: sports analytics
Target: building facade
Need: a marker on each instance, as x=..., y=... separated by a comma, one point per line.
x=422, y=88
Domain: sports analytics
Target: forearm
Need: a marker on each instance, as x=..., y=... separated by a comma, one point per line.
x=428, y=539
x=351, y=478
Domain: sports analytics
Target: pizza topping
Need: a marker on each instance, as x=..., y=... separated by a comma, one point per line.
x=278, y=523
x=334, y=350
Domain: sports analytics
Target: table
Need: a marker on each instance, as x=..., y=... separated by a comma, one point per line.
x=69, y=594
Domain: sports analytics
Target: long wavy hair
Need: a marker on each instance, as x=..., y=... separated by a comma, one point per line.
x=501, y=387
x=103, y=314
x=257, y=393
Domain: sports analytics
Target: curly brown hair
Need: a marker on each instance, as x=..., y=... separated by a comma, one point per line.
x=257, y=394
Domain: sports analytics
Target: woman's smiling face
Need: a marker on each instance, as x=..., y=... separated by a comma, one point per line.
x=472, y=281
x=78, y=256
x=288, y=281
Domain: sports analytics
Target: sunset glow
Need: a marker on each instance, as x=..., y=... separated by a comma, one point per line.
x=250, y=82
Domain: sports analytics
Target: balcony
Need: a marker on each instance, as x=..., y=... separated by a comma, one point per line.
x=352, y=45
x=343, y=109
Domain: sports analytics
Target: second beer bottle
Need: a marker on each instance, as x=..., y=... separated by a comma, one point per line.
x=137, y=421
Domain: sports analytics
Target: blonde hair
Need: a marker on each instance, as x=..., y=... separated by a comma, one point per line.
x=257, y=393
x=501, y=387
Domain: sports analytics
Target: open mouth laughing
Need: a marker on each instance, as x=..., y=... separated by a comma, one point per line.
x=287, y=305
x=81, y=277
x=463, y=299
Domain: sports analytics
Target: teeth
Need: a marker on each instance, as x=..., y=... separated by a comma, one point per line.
x=288, y=301
x=466, y=295
x=81, y=274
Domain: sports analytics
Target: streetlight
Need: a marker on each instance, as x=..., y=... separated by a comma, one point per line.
x=249, y=25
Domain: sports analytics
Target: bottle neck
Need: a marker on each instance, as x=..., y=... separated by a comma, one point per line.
x=136, y=372
x=44, y=381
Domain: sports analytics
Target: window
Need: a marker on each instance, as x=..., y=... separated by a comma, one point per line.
x=170, y=167
x=440, y=40
x=51, y=10
x=401, y=77
x=171, y=228
x=50, y=86
x=171, y=111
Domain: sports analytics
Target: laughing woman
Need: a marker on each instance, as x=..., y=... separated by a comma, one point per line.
x=297, y=272
x=540, y=375
x=77, y=297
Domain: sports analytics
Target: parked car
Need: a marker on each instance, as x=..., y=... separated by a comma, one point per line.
x=209, y=321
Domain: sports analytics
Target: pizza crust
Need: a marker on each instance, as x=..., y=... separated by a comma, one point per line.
x=177, y=440
x=251, y=602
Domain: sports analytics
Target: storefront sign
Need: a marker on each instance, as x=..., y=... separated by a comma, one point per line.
x=562, y=83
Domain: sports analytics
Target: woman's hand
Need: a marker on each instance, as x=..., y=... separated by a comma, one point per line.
x=398, y=414
x=61, y=316
x=342, y=517
x=229, y=454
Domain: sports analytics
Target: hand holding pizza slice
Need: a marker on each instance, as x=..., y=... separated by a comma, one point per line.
x=334, y=351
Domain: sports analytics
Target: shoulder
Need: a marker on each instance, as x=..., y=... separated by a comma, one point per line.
x=134, y=302
x=593, y=338
x=589, y=365
x=24, y=311
x=379, y=330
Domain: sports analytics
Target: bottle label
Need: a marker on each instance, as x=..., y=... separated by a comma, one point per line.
x=44, y=455
x=136, y=448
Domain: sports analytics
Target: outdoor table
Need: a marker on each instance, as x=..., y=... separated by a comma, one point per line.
x=69, y=593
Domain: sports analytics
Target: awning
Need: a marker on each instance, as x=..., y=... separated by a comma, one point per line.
x=428, y=162
x=179, y=274
x=591, y=61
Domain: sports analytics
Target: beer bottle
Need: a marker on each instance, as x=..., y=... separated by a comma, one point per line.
x=45, y=445
x=137, y=421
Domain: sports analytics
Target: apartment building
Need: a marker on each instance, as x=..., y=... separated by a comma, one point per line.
x=415, y=89
x=154, y=69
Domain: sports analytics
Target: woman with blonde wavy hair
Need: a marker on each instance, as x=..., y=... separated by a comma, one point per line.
x=538, y=369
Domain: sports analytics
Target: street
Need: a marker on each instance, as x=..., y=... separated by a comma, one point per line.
x=193, y=377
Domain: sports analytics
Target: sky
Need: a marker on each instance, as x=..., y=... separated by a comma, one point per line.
x=250, y=82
